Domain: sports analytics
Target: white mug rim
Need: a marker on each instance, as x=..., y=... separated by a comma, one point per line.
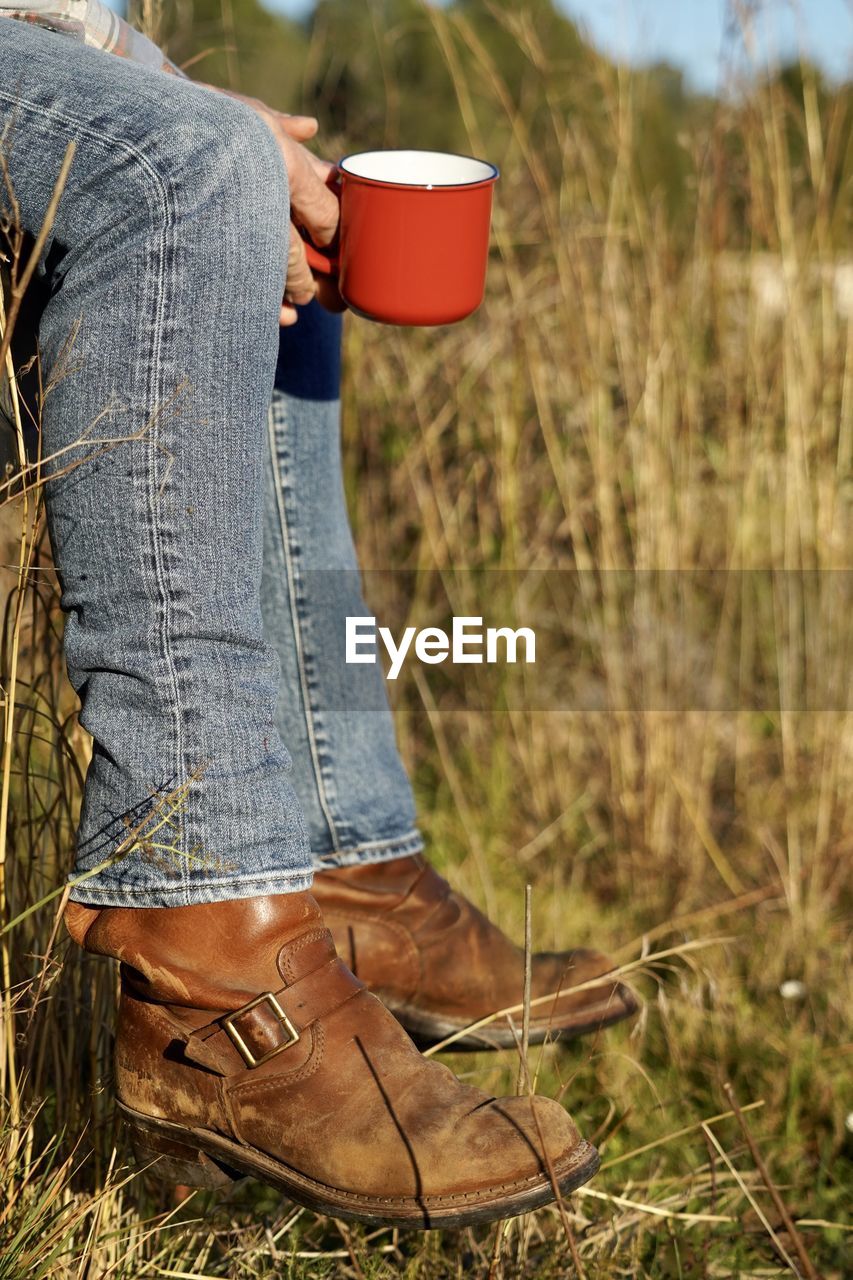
x=490, y=175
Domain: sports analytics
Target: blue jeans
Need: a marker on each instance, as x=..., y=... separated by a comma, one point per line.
x=193, y=482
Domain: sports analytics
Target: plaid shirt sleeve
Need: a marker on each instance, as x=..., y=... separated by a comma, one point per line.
x=93, y=22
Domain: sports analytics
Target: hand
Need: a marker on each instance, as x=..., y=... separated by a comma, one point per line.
x=316, y=207
x=312, y=204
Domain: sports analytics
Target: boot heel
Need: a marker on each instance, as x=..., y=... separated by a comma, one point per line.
x=177, y=1162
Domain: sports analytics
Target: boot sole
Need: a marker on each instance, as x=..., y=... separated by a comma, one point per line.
x=199, y=1157
x=427, y=1029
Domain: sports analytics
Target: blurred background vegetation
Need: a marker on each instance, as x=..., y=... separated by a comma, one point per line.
x=383, y=73
x=660, y=377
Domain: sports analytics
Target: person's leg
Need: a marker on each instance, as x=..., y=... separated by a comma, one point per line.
x=244, y=1044
x=159, y=289
x=435, y=960
x=334, y=717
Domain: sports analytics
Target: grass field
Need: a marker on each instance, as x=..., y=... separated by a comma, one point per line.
x=631, y=398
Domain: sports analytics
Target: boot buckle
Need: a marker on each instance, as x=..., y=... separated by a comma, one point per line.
x=239, y=1042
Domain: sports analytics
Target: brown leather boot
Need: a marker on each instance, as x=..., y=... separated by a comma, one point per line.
x=439, y=965
x=245, y=1046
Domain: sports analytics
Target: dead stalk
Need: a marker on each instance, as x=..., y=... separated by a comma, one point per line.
x=19, y=283
x=522, y=1084
x=761, y=1166
x=622, y=971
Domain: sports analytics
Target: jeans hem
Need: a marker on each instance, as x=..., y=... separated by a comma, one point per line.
x=373, y=851
x=189, y=895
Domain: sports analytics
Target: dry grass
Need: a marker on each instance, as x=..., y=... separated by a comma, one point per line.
x=620, y=403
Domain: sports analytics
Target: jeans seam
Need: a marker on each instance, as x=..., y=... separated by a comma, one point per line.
x=166, y=248
x=365, y=846
x=295, y=882
x=166, y=204
x=296, y=621
x=409, y=839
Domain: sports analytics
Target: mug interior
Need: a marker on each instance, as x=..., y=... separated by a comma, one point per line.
x=418, y=168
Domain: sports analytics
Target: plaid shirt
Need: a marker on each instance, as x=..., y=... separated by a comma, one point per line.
x=93, y=22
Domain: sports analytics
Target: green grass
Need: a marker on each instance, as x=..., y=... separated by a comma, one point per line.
x=624, y=400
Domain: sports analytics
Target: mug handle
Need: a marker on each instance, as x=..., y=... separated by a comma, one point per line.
x=324, y=263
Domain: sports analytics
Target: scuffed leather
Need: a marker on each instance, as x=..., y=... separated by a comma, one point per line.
x=352, y=1104
x=415, y=941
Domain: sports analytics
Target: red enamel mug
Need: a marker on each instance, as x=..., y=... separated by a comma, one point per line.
x=414, y=235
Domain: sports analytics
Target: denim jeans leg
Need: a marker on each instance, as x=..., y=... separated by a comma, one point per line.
x=347, y=770
x=159, y=291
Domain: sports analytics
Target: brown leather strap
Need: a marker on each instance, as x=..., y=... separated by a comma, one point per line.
x=272, y=1022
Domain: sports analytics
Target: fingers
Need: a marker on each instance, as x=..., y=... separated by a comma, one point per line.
x=312, y=202
x=328, y=297
x=300, y=286
x=300, y=128
x=324, y=288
